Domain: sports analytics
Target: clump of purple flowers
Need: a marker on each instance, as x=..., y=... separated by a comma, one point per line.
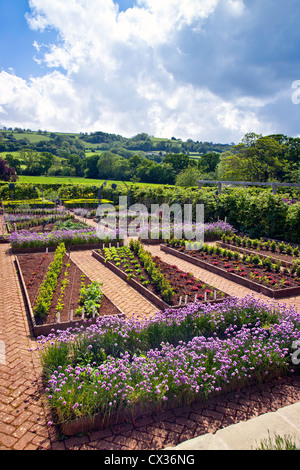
x=179, y=230
x=118, y=363
x=27, y=239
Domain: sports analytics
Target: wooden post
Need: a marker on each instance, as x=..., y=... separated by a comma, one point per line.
x=219, y=187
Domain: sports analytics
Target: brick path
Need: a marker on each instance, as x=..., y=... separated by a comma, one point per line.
x=22, y=419
x=24, y=414
x=119, y=292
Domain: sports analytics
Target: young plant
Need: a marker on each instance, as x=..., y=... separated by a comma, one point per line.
x=48, y=286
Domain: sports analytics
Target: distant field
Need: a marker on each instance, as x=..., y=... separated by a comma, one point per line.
x=16, y=154
x=195, y=155
x=31, y=136
x=59, y=180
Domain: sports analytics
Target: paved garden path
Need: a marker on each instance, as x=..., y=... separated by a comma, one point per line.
x=22, y=417
x=125, y=297
x=24, y=414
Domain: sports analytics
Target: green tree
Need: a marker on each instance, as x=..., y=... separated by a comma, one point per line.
x=188, y=177
x=90, y=166
x=13, y=162
x=208, y=162
x=256, y=158
x=178, y=161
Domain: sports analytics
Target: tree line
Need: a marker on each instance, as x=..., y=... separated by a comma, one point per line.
x=257, y=158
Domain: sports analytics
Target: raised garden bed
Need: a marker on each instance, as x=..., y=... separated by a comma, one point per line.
x=38, y=223
x=33, y=269
x=278, y=250
x=173, y=359
x=186, y=288
x=51, y=248
x=270, y=282
x=286, y=260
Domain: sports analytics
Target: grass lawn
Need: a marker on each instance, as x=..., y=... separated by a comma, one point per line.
x=75, y=180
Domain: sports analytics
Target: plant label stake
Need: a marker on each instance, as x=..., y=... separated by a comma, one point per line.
x=71, y=315
x=186, y=299
x=47, y=250
x=195, y=298
x=93, y=311
x=58, y=317
x=118, y=245
x=205, y=296
x=180, y=300
x=82, y=315
x=215, y=295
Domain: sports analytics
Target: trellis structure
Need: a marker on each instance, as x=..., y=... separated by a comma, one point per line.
x=247, y=183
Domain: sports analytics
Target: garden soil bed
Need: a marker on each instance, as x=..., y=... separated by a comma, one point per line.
x=33, y=269
x=182, y=283
x=286, y=260
x=270, y=284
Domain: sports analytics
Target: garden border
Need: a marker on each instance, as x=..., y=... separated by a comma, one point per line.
x=43, y=330
x=275, y=294
x=83, y=246
x=143, y=290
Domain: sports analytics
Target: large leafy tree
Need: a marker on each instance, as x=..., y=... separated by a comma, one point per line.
x=6, y=172
x=256, y=159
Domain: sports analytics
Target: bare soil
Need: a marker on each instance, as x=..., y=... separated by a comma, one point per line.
x=34, y=268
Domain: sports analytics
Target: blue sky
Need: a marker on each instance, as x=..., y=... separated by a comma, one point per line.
x=16, y=45
x=209, y=70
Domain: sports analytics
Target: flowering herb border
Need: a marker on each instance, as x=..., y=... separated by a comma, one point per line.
x=118, y=364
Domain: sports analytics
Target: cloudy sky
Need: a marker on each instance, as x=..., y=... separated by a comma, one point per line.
x=208, y=70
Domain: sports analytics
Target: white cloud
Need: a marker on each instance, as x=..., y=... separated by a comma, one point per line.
x=46, y=102
x=109, y=71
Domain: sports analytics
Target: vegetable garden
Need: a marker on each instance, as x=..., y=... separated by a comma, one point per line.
x=101, y=368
